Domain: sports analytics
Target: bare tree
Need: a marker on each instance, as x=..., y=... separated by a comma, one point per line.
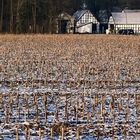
x=1, y=18
x=11, y=16
x=34, y=15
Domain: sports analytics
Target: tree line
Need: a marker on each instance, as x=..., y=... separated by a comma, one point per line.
x=38, y=16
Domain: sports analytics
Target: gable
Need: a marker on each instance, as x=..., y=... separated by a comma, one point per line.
x=87, y=17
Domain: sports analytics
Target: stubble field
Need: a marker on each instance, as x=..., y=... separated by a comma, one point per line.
x=83, y=87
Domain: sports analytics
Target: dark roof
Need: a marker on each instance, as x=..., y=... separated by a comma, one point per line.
x=77, y=15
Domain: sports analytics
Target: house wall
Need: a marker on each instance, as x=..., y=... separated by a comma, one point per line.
x=85, y=29
x=135, y=27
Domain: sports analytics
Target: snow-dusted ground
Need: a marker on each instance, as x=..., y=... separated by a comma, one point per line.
x=100, y=113
x=99, y=108
x=88, y=84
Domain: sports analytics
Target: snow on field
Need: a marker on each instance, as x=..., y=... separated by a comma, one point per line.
x=69, y=87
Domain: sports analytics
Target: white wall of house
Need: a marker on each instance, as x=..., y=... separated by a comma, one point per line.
x=85, y=29
x=136, y=28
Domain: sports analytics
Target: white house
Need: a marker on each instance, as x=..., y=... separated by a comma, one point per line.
x=85, y=21
x=127, y=19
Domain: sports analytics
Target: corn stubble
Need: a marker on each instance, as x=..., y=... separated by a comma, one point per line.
x=69, y=87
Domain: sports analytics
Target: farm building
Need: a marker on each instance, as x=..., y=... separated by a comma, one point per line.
x=65, y=23
x=85, y=21
x=127, y=19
